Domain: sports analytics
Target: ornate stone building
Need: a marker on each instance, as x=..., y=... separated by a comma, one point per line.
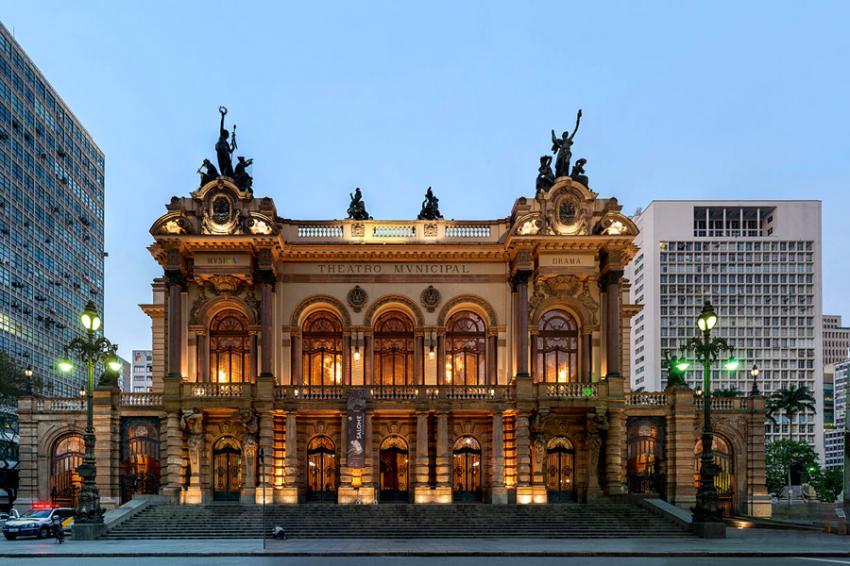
x=426, y=361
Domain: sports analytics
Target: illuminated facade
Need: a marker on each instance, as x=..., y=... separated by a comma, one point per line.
x=424, y=361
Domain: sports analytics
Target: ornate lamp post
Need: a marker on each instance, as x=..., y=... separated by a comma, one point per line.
x=28, y=374
x=90, y=350
x=708, y=520
x=754, y=373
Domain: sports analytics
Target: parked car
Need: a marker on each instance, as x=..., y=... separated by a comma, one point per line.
x=13, y=514
x=37, y=522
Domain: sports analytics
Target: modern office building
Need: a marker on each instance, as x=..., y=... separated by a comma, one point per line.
x=51, y=220
x=141, y=374
x=759, y=263
x=834, y=434
x=836, y=340
x=124, y=374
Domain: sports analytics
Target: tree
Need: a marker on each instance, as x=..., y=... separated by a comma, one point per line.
x=828, y=483
x=778, y=458
x=13, y=382
x=792, y=401
x=728, y=392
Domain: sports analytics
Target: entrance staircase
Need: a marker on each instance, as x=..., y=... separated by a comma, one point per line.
x=231, y=521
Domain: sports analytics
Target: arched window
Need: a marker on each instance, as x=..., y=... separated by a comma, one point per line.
x=465, y=349
x=556, y=348
x=644, y=451
x=140, y=464
x=321, y=349
x=65, y=483
x=393, y=349
x=724, y=481
x=230, y=348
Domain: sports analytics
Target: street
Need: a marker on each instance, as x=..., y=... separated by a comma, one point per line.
x=443, y=561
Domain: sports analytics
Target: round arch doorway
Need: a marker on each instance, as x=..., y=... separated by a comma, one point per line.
x=466, y=467
x=394, y=470
x=560, y=470
x=227, y=469
x=321, y=470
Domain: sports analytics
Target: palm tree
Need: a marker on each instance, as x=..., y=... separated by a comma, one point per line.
x=791, y=400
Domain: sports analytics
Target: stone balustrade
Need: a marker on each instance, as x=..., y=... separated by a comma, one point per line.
x=218, y=390
x=723, y=403
x=647, y=399
x=141, y=399
x=59, y=404
x=568, y=390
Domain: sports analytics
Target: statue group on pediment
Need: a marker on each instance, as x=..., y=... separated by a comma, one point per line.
x=563, y=154
x=430, y=207
x=224, y=148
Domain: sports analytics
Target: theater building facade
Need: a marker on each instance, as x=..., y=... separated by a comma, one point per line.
x=362, y=361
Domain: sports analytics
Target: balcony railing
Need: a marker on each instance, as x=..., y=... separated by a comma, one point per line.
x=647, y=399
x=723, y=403
x=399, y=392
x=320, y=231
x=468, y=231
x=568, y=390
x=387, y=392
x=60, y=405
x=141, y=399
x=218, y=390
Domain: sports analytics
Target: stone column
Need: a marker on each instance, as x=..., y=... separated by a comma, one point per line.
x=266, y=469
x=422, y=489
x=680, y=439
x=441, y=358
x=345, y=493
x=252, y=357
x=443, y=491
x=586, y=357
x=519, y=283
x=173, y=480
x=367, y=492
x=27, y=453
x=289, y=493
x=266, y=330
x=492, y=359
x=611, y=281
x=203, y=357
x=346, y=359
x=499, y=493
x=248, y=493
x=296, y=360
x=759, y=500
x=419, y=360
x=176, y=280
x=524, y=491
x=368, y=360
x=615, y=482
x=195, y=427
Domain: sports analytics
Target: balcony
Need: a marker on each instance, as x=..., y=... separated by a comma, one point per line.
x=218, y=390
x=567, y=390
x=420, y=393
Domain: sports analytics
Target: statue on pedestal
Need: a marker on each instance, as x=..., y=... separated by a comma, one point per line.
x=223, y=148
x=563, y=147
x=430, y=207
x=545, y=177
x=357, y=208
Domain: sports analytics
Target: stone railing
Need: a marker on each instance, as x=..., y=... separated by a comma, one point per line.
x=393, y=231
x=59, y=404
x=308, y=392
x=218, y=390
x=141, y=399
x=723, y=403
x=467, y=231
x=647, y=399
x=394, y=392
x=470, y=392
x=320, y=231
x=568, y=390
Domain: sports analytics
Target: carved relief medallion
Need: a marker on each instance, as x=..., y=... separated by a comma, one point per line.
x=357, y=298
x=430, y=298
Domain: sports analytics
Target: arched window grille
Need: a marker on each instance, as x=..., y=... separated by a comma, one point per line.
x=65, y=483
x=393, y=350
x=321, y=349
x=556, y=348
x=466, y=349
x=230, y=348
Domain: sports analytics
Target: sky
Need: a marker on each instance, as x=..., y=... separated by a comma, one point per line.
x=711, y=100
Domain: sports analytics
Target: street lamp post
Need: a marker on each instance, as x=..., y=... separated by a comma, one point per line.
x=90, y=350
x=707, y=517
x=754, y=373
x=28, y=374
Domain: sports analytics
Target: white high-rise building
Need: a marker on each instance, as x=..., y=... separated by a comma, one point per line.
x=759, y=263
x=141, y=374
x=834, y=435
x=836, y=340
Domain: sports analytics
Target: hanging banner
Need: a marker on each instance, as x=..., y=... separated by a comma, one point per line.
x=356, y=427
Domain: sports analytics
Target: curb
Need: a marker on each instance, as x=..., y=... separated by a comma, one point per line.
x=522, y=554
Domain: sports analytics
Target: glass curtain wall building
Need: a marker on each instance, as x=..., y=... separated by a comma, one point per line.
x=51, y=220
x=759, y=262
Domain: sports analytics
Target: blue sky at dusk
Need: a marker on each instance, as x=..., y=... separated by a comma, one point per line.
x=720, y=100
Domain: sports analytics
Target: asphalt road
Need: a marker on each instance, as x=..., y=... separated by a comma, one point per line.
x=442, y=561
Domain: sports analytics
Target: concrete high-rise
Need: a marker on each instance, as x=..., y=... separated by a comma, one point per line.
x=51, y=220
x=759, y=263
x=836, y=340
x=141, y=372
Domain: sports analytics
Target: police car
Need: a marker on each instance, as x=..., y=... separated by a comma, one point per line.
x=37, y=522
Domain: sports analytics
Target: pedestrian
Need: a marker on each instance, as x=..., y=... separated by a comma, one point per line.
x=58, y=529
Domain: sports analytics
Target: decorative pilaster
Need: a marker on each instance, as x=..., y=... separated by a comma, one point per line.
x=422, y=489
x=611, y=284
x=499, y=494
x=519, y=284
x=616, y=423
x=176, y=283
x=203, y=356
x=266, y=471
x=267, y=281
x=443, y=491
x=289, y=493
x=173, y=480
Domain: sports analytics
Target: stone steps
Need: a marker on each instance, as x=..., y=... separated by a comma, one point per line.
x=229, y=521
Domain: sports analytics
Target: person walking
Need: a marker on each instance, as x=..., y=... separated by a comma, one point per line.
x=58, y=529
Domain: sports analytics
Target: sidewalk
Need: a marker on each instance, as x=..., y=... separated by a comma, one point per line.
x=739, y=542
